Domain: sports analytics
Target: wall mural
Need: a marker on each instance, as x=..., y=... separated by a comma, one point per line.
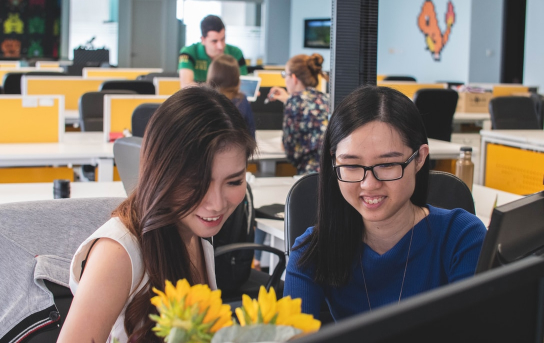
x=29, y=28
x=428, y=24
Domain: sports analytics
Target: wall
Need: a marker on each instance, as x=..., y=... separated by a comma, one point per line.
x=533, y=73
x=486, y=41
x=402, y=47
x=308, y=9
x=276, y=15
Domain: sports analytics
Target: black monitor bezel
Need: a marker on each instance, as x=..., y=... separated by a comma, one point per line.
x=306, y=44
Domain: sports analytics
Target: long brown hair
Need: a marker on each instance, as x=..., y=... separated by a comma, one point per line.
x=224, y=76
x=307, y=68
x=178, y=148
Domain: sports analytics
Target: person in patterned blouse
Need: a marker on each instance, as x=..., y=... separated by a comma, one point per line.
x=306, y=111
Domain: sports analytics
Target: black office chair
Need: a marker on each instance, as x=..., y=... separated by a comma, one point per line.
x=151, y=76
x=399, y=78
x=53, y=230
x=445, y=191
x=141, y=116
x=437, y=107
x=91, y=109
x=539, y=108
x=126, y=153
x=138, y=86
x=513, y=113
x=267, y=116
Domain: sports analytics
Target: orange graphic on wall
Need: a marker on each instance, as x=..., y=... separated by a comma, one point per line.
x=428, y=24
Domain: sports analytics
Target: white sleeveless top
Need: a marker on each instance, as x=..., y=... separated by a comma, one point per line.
x=116, y=230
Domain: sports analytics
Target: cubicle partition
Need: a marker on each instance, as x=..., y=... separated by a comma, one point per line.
x=118, y=73
x=273, y=78
x=118, y=111
x=166, y=85
x=10, y=64
x=410, y=88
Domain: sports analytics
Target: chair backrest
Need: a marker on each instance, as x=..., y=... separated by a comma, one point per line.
x=399, y=78
x=138, y=86
x=91, y=109
x=437, y=107
x=267, y=116
x=126, y=152
x=34, y=237
x=445, y=191
x=141, y=116
x=513, y=113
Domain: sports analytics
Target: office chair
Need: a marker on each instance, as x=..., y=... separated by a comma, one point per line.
x=437, y=107
x=399, y=78
x=513, y=113
x=140, y=118
x=126, y=152
x=151, y=76
x=267, y=116
x=138, y=86
x=12, y=80
x=539, y=108
x=91, y=109
x=38, y=240
x=445, y=191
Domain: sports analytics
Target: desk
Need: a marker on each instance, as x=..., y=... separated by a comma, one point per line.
x=71, y=117
x=76, y=148
x=512, y=160
x=481, y=119
x=270, y=150
x=16, y=192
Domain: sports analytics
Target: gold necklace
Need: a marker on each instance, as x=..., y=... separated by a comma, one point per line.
x=403, y=276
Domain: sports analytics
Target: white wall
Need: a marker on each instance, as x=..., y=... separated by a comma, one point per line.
x=533, y=73
x=402, y=48
x=308, y=9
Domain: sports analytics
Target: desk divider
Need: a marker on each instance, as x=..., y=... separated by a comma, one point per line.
x=118, y=111
x=31, y=119
x=52, y=64
x=508, y=90
x=4, y=71
x=166, y=85
x=10, y=64
x=272, y=78
x=71, y=87
x=118, y=73
x=410, y=88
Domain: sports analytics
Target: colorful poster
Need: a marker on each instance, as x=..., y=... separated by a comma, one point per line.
x=428, y=23
x=29, y=29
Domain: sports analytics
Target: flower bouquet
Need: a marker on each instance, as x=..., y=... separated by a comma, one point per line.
x=196, y=314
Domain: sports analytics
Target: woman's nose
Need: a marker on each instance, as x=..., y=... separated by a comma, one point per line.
x=214, y=199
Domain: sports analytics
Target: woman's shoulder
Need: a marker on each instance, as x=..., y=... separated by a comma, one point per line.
x=457, y=221
x=301, y=242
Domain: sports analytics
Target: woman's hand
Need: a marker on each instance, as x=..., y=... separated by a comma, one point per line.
x=278, y=93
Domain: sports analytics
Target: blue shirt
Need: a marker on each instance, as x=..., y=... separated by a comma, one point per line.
x=245, y=109
x=445, y=248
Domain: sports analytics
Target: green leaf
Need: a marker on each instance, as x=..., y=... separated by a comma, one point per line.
x=255, y=333
x=177, y=336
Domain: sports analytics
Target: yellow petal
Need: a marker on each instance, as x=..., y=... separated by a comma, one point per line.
x=240, y=316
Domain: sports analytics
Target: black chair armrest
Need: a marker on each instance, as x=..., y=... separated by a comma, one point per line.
x=275, y=278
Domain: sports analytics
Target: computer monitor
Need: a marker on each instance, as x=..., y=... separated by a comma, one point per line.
x=516, y=230
x=249, y=85
x=503, y=305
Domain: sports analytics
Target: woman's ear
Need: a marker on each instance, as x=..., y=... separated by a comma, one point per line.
x=422, y=156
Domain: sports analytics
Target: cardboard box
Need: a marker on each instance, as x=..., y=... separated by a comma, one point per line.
x=473, y=102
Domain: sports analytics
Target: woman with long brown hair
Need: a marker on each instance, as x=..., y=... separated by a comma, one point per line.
x=224, y=76
x=306, y=111
x=192, y=177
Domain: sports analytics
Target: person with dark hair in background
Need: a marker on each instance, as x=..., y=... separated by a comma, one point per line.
x=376, y=240
x=306, y=111
x=194, y=60
x=192, y=177
x=224, y=76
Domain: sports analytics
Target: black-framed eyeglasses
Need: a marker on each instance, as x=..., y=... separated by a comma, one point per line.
x=382, y=172
x=285, y=74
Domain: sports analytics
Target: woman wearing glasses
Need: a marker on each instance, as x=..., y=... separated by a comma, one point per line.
x=306, y=111
x=376, y=240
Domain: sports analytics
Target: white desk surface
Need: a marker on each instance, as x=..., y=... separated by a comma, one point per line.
x=470, y=117
x=16, y=192
x=71, y=116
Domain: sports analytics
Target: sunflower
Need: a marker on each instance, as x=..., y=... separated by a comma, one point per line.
x=192, y=314
x=267, y=310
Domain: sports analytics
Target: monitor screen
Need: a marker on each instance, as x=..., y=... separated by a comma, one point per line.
x=249, y=85
x=516, y=230
x=317, y=33
x=502, y=305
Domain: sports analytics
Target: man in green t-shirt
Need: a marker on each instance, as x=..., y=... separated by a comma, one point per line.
x=195, y=59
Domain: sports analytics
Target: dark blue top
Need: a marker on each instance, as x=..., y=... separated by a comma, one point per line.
x=243, y=106
x=445, y=248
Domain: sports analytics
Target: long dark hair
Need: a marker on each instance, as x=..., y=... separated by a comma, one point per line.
x=178, y=148
x=334, y=243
